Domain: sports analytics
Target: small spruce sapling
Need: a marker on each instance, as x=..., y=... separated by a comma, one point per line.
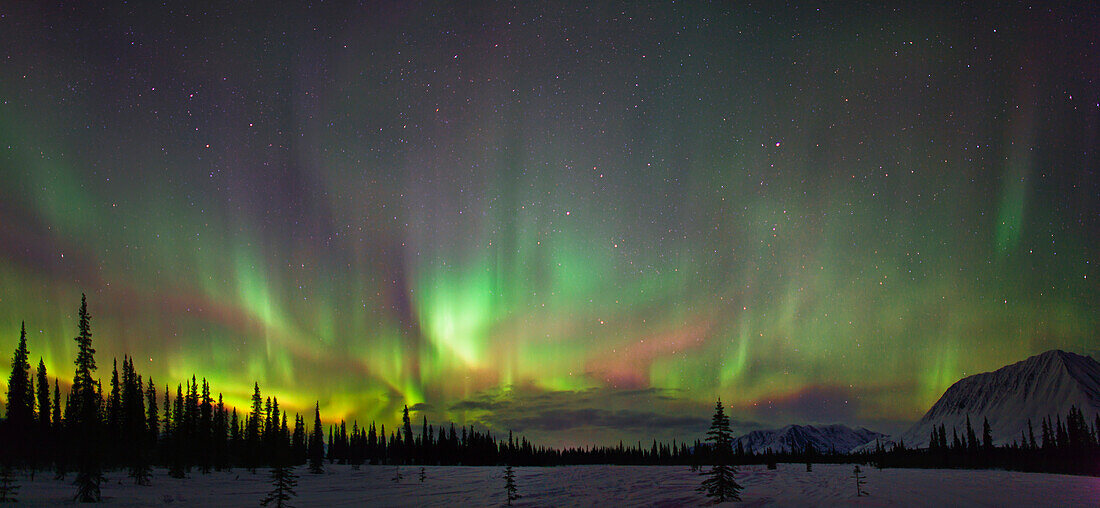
x=809, y=452
x=87, y=486
x=175, y=469
x=8, y=487
x=510, y=485
x=283, y=479
x=141, y=471
x=856, y=473
x=283, y=482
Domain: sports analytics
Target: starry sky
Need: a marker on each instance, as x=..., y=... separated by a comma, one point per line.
x=582, y=223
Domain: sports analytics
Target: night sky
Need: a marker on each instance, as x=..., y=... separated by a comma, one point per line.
x=581, y=223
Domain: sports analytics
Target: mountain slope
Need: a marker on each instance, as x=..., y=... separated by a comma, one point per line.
x=795, y=437
x=1047, y=384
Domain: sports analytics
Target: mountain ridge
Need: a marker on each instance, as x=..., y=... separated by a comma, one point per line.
x=1046, y=384
x=824, y=438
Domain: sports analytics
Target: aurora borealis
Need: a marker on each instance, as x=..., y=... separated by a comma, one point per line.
x=583, y=223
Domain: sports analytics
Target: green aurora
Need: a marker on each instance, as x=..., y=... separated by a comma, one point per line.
x=818, y=216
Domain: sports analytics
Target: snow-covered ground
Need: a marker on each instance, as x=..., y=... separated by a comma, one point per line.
x=586, y=486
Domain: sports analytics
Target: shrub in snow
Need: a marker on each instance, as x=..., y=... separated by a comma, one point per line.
x=856, y=473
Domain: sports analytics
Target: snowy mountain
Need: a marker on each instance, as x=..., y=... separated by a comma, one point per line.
x=824, y=438
x=1043, y=385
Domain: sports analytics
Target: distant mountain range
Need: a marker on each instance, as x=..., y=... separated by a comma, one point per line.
x=824, y=438
x=1044, y=385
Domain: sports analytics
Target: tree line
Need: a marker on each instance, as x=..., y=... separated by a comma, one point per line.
x=1068, y=445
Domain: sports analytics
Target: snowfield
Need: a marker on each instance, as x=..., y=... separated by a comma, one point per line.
x=789, y=485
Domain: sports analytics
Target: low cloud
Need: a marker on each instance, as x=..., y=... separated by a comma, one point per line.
x=476, y=405
x=596, y=416
x=625, y=420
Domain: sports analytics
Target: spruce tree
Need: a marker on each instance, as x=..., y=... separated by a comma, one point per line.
x=206, y=428
x=1077, y=429
x=971, y=439
x=192, y=444
x=176, y=440
x=43, y=396
x=265, y=435
x=141, y=470
x=166, y=425
x=284, y=439
x=342, y=449
x=84, y=410
x=510, y=485
x=1030, y=435
x=114, y=408
x=135, y=444
x=152, y=420
x=56, y=430
x=355, y=458
x=138, y=448
x=317, y=443
x=42, y=434
x=221, y=459
x=56, y=419
x=283, y=482
x=810, y=454
x=252, y=429
x=271, y=424
x=20, y=402
x=283, y=479
x=235, y=440
x=298, y=439
x=720, y=483
x=1061, y=437
x=406, y=424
